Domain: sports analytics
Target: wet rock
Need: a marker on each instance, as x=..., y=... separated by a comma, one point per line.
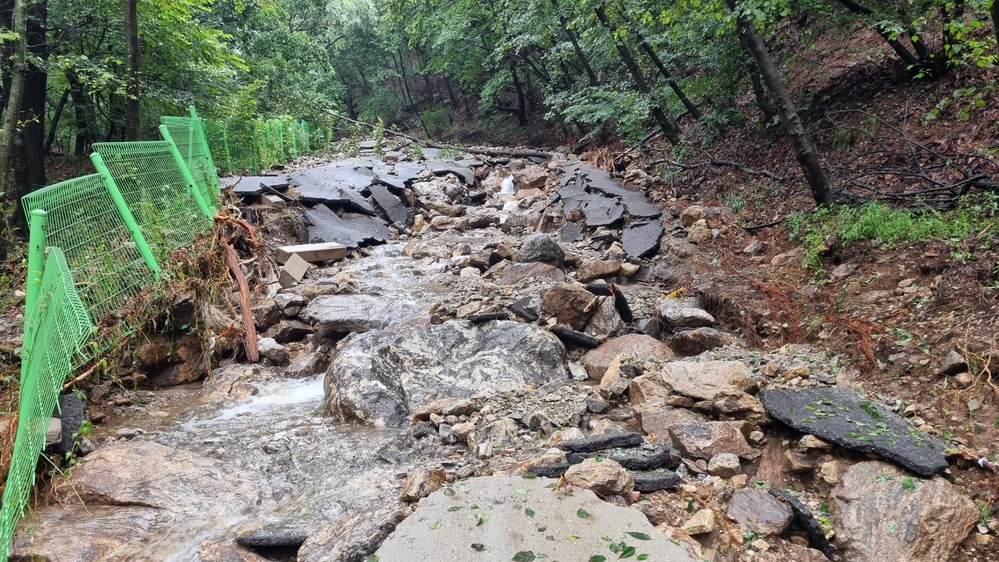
x=695, y=342
x=144, y=473
x=759, y=512
x=592, y=270
x=604, y=477
x=353, y=536
x=265, y=314
x=353, y=313
x=443, y=223
x=218, y=552
x=705, y=380
x=540, y=247
x=513, y=510
x=420, y=483
x=169, y=361
x=640, y=346
x=378, y=377
x=641, y=240
x=882, y=515
x=531, y=177
x=684, y=313
x=516, y=272
x=289, y=303
x=287, y=331
x=701, y=523
x=843, y=416
x=706, y=439
x=569, y=304
x=308, y=364
x=272, y=538
x=725, y=465
x=120, y=528
x=271, y=349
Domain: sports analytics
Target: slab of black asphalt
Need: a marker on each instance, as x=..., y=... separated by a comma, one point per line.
x=845, y=417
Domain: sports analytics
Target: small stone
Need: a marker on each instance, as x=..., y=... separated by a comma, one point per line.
x=963, y=379
x=699, y=232
x=761, y=545
x=700, y=523
x=629, y=269
x=759, y=512
x=724, y=465
x=446, y=432
x=812, y=442
x=53, y=434
x=593, y=270
x=738, y=481
x=540, y=247
x=563, y=435
x=420, y=483
x=596, y=404
x=754, y=248
x=691, y=215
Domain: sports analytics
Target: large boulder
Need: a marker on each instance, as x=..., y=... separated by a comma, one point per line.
x=639, y=346
x=881, y=514
x=380, y=377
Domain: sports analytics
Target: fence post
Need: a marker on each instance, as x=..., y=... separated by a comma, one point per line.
x=184, y=171
x=126, y=214
x=280, y=130
x=36, y=269
x=294, y=138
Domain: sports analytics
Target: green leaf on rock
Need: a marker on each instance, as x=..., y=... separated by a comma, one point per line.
x=639, y=536
x=582, y=513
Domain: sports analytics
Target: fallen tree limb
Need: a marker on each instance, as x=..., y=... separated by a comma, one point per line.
x=755, y=227
x=249, y=330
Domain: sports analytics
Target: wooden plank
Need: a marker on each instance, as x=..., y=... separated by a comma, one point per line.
x=293, y=271
x=312, y=253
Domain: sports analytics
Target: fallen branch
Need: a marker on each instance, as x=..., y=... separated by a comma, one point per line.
x=249, y=331
x=755, y=227
x=83, y=376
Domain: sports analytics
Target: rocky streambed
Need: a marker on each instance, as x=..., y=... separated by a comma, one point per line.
x=508, y=365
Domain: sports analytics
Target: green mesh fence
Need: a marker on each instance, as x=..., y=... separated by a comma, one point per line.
x=83, y=222
x=62, y=329
x=218, y=145
x=156, y=193
x=188, y=135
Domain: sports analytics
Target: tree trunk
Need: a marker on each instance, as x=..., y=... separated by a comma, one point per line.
x=55, y=121
x=583, y=60
x=29, y=147
x=760, y=92
x=994, y=12
x=521, y=101
x=12, y=111
x=132, y=116
x=84, y=131
x=803, y=149
x=903, y=53
x=670, y=129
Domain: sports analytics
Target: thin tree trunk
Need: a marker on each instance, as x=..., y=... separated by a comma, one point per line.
x=521, y=102
x=760, y=92
x=132, y=115
x=804, y=151
x=670, y=129
x=994, y=12
x=29, y=148
x=580, y=55
x=18, y=71
x=55, y=120
x=903, y=53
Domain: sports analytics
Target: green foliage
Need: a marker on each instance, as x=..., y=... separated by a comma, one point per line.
x=885, y=226
x=378, y=134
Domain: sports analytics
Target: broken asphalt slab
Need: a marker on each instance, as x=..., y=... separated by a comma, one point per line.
x=849, y=419
x=349, y=230
x=503, y=518
x=253, y=185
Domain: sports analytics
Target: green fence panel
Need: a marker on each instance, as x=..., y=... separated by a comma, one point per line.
x=83, y=221
x=156, y=192
x=243, y=146
x=187, y=135
x=63, y=328
x=218, y=144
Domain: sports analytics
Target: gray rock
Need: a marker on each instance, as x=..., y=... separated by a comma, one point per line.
x=516, y=272
x=759, y=512
x=845, y=417
x=725, y=465
x=952, y=364
x=353, y=536
x=705, y=380
x=605, y=477
x=518, y=515
x=379, y=377
x=287, y=300
x=880, y=514
x=53, y=433
x=695, y=342
x=290, y=331
x=271, y=349
x=539, y=247
x=703, y=440
x=308, y=364
x=684, y=313
x=353, y=313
